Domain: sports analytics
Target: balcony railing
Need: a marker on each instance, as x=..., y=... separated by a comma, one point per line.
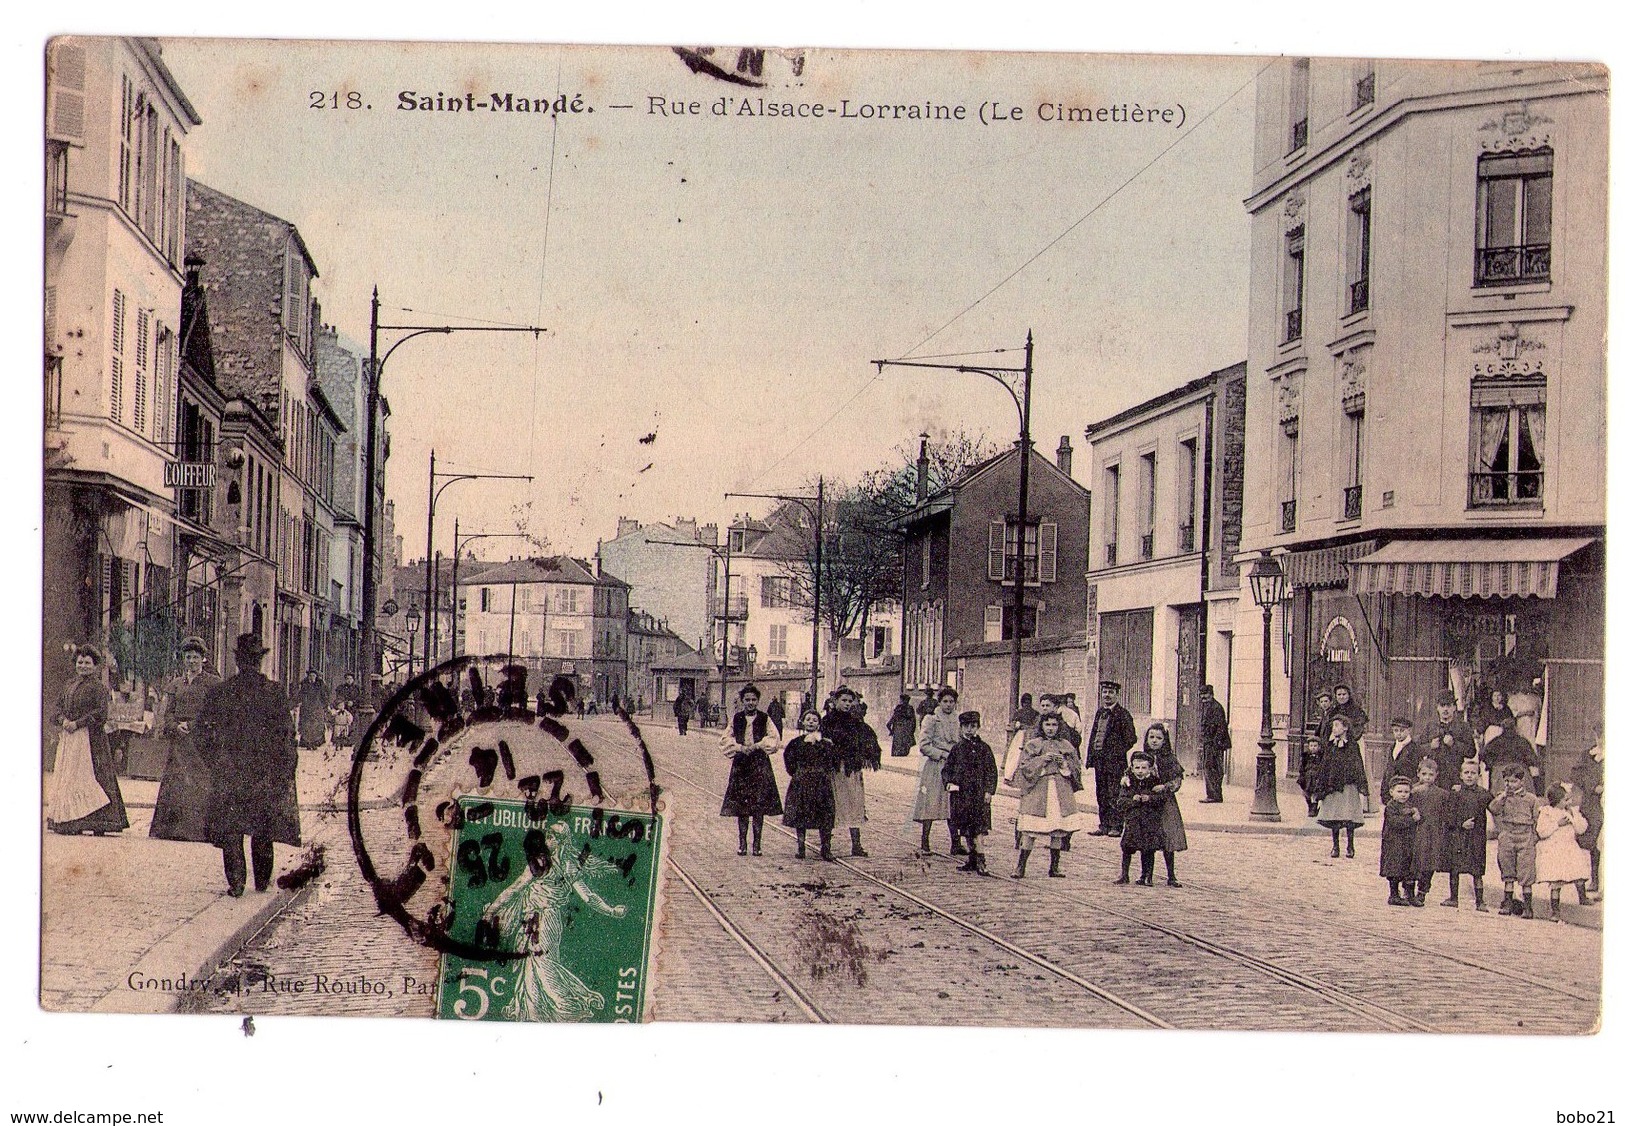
x=1359, y=295
x=1289, y=516
x=1147, y=544
x=1351, y=502
x=53, y=392
x=1507, y=265
x=1294, y=325
x=1365, y=90
x=737, y=608
x=1489, y=489
x=1300, y=135
x=1111, y=555
x=1187, y=537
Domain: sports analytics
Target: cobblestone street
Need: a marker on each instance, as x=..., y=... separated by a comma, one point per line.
x=1268, y=932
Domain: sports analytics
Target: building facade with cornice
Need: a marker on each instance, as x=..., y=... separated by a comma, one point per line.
x=1426, y=378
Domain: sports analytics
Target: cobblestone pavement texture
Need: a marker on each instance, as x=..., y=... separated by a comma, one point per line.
x=1255, y=908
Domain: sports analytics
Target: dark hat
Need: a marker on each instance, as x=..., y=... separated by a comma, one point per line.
x=1517, y=771
x=1400, y=721
x=1324, y=693
x=1143, y=756
x=1207, y=690
x=1112, y=684
x=750, y=690
x=948, y=690
x=1398, y=780
x=249, y=645
x=844, y=690
x=87, y=650
x=1444, y=697
x=192, y=643
x=968, y=718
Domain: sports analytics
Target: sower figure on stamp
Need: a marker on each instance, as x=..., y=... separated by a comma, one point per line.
x=972, y=778
x=183, y=795
x=1111, y=738
x=855, y=750
x=753, y=791
x=1215, y=739
x=246, y=738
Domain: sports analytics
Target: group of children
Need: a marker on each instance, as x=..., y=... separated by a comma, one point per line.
x=1427, y=829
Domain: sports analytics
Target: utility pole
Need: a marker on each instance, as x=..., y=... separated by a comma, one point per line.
x=1006, y=377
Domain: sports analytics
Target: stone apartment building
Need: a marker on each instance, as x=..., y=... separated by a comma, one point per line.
x=1166, y=521
x=669, y=566
x=959, y=582
x=1426, y=389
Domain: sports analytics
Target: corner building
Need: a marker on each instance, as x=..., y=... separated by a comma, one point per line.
x=1426, y=391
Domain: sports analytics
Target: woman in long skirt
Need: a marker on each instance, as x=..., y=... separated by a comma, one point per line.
x=753, y=791
x=1170, y=776
x=809, y=801
x=183, y=795
x=1047, y=776
x=85, y=796
x=938, y=734
x=1340, y=784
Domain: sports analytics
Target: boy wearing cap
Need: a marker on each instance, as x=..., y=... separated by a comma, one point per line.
x=1403, y=756
x=1515, y=810
x=972, y=777
x=1397, y=863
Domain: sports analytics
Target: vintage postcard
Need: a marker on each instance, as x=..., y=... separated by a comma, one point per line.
x=744, y=534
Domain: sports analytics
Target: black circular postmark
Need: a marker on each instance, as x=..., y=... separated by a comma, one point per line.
x=449, y=734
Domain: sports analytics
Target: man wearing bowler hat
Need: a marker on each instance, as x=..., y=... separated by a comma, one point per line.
x=1111, y=738
x=246, y=737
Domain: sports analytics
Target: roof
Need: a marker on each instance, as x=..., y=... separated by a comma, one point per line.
x=543, y=569
x=943, y=499
x=685, y=662
x=786, y=533
x=1167, y=398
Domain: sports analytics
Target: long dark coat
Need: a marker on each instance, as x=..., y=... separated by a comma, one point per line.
x=1455, y=744
x=1466, y=849
x=84, y=700
x=753, y=791
x=1399, y=828
x=1340, y=765
x=1142, y=820
x=1111, y=738
x=901, y=725
x=1214, y=735
x=246, y=738
x=1588, y=784
x=313, y=697
x=182, y=809
x=1430, y=834
x=972, y=767
x=1170, y=775
x=809, y=801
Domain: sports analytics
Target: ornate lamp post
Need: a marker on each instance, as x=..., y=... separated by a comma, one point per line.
x=1269, y=584
x=414, y=618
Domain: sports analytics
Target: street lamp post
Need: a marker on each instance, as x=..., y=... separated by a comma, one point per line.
x=369, y=518
x=430, y=593
x=1006, y=377
x=413, y=619
x=813, y=506
x=1268, y=582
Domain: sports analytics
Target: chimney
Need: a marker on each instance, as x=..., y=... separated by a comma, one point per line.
x=1063, y=455
x=708, y=535
x=623, y=525
x=686, y=529
x=922, y=475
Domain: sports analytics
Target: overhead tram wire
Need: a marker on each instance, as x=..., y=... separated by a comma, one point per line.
x=541, y=272
x=1045, y=249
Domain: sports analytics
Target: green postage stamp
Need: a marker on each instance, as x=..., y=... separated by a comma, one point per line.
x=564, y=898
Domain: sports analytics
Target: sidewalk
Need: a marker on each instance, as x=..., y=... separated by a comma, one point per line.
x=128, y=923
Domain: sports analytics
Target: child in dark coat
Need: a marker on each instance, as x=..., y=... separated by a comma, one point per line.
x=1397, y=864
x=809, y=800
x=1430, y=799
x=1466, y=842
x=971, y=775
x=1140, y=802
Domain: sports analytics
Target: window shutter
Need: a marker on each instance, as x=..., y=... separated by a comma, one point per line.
x=993, y=624
x=115, y=408
x=995, y=550
x=66, y=113
x=1046, y=553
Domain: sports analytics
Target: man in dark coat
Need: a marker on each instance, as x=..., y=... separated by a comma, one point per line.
x=246, y=737
x=1214, y=731
x=682, y=709
x=1450, y=739
x=183, y=794
x=927, y=704
x=1111, y=738
x=1404, y=756
x=313, y=698
x=901, y=725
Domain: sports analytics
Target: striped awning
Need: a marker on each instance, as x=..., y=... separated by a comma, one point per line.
x=1465, y=568
x=1322, y=567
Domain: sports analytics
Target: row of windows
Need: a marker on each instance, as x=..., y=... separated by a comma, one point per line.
x=141, y=372
x=150, y=171
x=1188, y=471
x=529, y=598
x=1362, y=92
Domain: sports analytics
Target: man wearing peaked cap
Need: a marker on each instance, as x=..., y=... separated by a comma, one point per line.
x=1111, y=738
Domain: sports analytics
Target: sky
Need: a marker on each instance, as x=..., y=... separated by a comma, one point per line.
x=723, y=282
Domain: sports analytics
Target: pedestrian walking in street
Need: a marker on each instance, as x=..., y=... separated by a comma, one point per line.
x=1341, y=786
x=1467, y=833
x=856, y=750
x=181, y=811
x=1170, y=776
x=1214, y=735
x=1559, y=859
x=85, y=796
x=682, y=709
x=1515, y=810
x=938, y=734
x=1449, y=739
x=312, y=698
x=809, y=800
x=1111, y=738
x=971, y=777
x=246, y=738
x=1588, y=781
x=775, y=712
x=1430, y=833
x=1047, y=778
x=753, y=791
x=1397, y=861
x=901, y=726
x=1141, y=800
